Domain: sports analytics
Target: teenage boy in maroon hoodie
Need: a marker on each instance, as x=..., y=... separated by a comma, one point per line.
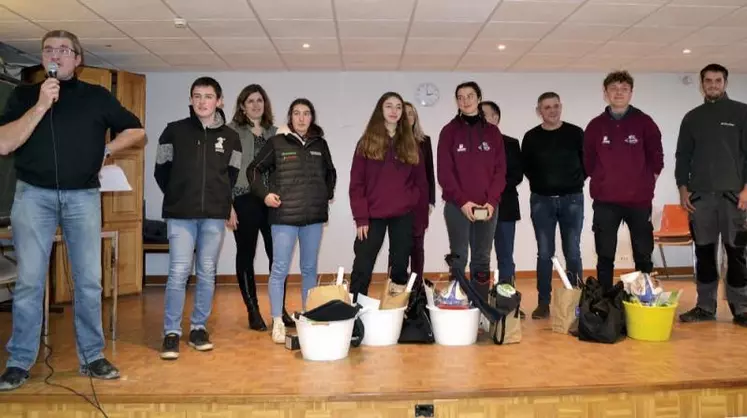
x=623, y=156
x=388, y=192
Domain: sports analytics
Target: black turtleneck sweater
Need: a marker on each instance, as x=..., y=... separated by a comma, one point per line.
x=711, y=151
x=75, y=127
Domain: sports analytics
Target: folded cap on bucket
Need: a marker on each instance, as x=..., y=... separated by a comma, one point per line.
x=334, y=310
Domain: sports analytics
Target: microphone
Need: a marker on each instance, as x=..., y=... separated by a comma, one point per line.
x=52, y=69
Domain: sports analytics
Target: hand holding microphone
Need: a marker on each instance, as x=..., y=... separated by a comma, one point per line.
x=49, y=92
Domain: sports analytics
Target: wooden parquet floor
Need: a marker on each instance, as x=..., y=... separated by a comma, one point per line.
x=245, y=365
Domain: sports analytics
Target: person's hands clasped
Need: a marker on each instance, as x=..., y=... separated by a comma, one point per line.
x=272, y=200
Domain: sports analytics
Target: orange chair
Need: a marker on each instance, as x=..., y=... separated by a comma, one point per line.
x=674, y=231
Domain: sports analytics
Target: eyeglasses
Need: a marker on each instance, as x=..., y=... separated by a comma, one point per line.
x=62, y=51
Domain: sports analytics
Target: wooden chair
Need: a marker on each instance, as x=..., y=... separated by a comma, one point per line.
x=674, y=231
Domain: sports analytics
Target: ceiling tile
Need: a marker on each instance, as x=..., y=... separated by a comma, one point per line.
x=293, y=9
x=313, y=61
x=96, y=61
x=128, y=60
x=372, y=28
x=489, y=46
x=736, y=19
x=611, y=14
x=533, y=11
x=658, y=2
x=20, y=30
x=227, y=28
x=212, y=9
x=374, y=9
x=589, y=33
x=436, y=46
x=629, y=48
x=199, y=60
x=59, y=10
x=574, y=49
x=83, y=29
x=675, y=51
x=486, y=62
x=130, y=9
x=175, y=45
x=240, y=45
x=152, y=29
x=656, y=64
x=601, y=63
x=428, y=62
x=379, y=62
x=710, y=2
x=301, y=28
x=542, y=62
x=7, y=16
x=455, y=11
x=112, y=45
x=444, y=29
x=657, y=34
x=372, y=45
x=316, y=45
x=516, y=30
x=254, y=61
x=685, y=16
x=716, y=36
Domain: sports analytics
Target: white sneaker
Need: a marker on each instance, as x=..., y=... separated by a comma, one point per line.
x=278, y=331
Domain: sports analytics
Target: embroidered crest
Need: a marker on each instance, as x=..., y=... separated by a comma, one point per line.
x=484, y=146
x=631, y=139
x=461, y=148
x=605, y=140
x=219, y=145
x=317, y=153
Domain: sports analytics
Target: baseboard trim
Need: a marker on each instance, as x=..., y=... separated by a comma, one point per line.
x=160, y=280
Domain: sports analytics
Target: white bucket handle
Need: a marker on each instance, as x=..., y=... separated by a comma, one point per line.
x=411, y=282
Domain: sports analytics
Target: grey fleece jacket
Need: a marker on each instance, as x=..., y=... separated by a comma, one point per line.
x=711, y=151
x=249, y=152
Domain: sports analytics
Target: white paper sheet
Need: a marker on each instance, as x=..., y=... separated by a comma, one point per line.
x=113, y=179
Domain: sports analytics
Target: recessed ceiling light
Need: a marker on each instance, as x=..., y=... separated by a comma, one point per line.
x=501, y=47
x=686, y=51
x=306, y=46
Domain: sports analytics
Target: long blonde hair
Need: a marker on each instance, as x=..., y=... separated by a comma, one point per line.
x=417, y=130
x=375, y=140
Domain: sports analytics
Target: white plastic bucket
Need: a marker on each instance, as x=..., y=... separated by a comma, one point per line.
x=324, y=341
x=382, y=327
x=454, y=326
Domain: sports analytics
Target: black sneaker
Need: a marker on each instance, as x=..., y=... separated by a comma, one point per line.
x=740, y=319
x=542, y=311
x=200, y=340
x=13, y=378
x=170, y=348
x=100, y=369
x=697, y=314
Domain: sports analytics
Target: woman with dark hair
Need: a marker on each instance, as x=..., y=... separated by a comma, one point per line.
x=253, y=121
x=472, y=175
x=300, y=185
x=388, y=191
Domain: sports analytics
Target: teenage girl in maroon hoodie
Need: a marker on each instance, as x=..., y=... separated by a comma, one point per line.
x=387, y=181
x=471, y=165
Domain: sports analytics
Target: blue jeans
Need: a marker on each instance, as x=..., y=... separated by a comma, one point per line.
x=34, y=218
x=283, y=241
x=505, y=232
x=184, y=235
x=548, y=212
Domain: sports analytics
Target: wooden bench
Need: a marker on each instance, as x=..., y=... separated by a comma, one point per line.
x=154, y=248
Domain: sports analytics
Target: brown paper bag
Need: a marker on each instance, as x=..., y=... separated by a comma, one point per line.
x=322, y=294
x=563, y=309
x=507, y=330
x=399, y=300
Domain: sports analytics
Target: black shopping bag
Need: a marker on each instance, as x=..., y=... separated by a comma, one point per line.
x=602, y=315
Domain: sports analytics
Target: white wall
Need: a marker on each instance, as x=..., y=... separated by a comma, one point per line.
x=344, y=102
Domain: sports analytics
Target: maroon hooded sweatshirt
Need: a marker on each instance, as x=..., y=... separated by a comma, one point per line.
x=623, y=158
x=388, y=188
x=471, y=163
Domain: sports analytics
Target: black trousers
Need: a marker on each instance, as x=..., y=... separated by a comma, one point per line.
x=252, y=214
x=606, y=223
x=367, y=250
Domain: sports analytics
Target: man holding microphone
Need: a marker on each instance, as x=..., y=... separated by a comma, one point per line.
x=56, y=131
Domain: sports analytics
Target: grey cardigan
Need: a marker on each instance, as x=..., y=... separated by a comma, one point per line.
x=248, y=153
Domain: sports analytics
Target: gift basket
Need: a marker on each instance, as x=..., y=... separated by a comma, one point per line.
x=649, y=310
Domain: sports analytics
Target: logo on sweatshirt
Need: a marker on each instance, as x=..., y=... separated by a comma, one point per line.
x=631, y=139
x=461, y=148
x=289, y=155
x=605, y=140
x=317, y=153
x=219, y=145
x=727, y=124
x=484, y=146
